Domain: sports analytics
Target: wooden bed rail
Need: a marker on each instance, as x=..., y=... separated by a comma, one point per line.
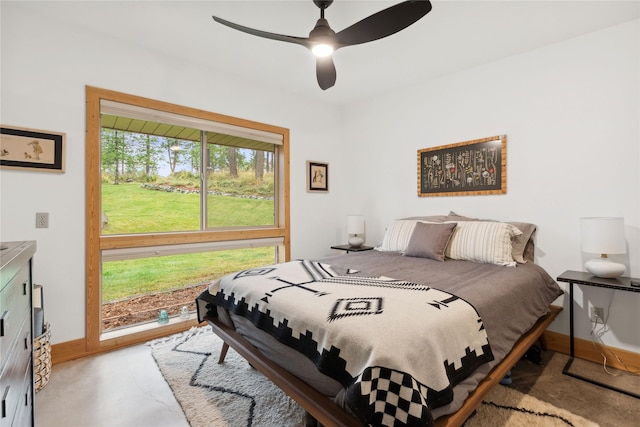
x=490, y=381
x=327, y=413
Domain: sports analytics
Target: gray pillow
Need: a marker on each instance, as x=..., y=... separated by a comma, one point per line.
x=519, y=243
x=430, y=240
x=456, y=217
x=431, y=218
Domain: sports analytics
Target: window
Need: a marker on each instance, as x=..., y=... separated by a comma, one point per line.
x=135, y=285
x=174, y=194
x=172, y=155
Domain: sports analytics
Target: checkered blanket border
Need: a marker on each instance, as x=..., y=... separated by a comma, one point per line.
x=392, y=398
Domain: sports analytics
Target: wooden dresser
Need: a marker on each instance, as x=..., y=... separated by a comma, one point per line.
x=16, y=340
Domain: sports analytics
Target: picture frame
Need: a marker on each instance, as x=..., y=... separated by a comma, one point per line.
x=469, y=168
x=32, y=149
x=317, y=177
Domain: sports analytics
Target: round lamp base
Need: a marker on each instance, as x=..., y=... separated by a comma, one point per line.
x=355, y=241
x=602, y=267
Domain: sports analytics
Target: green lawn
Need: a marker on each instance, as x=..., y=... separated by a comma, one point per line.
x=124, y=279
x=132, y=209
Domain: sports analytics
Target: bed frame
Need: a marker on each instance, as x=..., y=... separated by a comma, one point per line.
x=323, y=410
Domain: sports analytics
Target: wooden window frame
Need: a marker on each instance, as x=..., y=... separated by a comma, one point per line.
x=96, y=243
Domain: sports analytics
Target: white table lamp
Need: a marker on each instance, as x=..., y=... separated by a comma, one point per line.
x=355, y=229
x=603, y=236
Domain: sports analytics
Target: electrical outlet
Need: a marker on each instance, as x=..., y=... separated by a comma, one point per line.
x=597, y=315
x=42, y=219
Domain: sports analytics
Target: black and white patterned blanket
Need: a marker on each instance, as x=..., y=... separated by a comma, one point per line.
x=397, y=347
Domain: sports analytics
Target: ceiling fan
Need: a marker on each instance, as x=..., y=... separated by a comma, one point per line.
x=323, y=41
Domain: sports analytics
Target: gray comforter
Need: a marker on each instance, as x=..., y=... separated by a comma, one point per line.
x=508, y=299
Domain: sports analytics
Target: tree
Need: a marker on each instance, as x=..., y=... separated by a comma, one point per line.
x=147, y=153
x=233, y=162
x=113, y=150
x=193, y=157
x=268, y=166
x=173, y=148
x=259, y=164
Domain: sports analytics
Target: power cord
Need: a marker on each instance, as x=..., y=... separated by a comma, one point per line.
x=596, y=335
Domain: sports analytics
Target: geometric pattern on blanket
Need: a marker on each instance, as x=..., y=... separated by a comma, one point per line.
x=433, y=339
x=393, y=397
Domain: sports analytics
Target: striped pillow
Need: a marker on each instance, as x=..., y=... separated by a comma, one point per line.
x=396, y=237
x=483, y=241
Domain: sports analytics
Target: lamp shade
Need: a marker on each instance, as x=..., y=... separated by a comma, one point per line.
x=355, y=224
x=604, y=235
x=355, y=229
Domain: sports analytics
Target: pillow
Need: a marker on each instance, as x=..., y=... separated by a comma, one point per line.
x=530, y=249
x=483, y=241
x=522, y=245
x=455, y=217
x=431, y=218
x=519, y=243
x=396, y=237
x=430, y=240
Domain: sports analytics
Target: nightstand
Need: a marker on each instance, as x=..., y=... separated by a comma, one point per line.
x=352, y=248
x=586, y=279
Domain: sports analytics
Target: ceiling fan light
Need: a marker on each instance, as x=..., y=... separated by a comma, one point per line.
x=322, y=50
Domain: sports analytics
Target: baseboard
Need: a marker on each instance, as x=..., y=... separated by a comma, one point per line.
x=584, y=349
x=75, y=349
x=68, y=350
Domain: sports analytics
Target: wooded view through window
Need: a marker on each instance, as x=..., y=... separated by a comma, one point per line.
x=168, y=177
x=153, y=184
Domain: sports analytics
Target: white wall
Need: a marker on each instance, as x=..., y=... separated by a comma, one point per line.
x=45, y=67
x=570, y=111
x=571, y=114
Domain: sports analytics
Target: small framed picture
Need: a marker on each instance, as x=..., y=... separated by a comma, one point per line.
x=317, y=177
x=31, y=149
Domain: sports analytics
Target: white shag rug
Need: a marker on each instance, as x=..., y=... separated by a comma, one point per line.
x=234, y=394
x=506, y=407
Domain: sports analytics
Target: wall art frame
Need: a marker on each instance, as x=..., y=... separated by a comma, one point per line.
x=317, y=177
x=469, y=168
x=32, y=149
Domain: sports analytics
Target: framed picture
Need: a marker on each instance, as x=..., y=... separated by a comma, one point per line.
x=317, y=177
x=464, y=169
x=31, y=149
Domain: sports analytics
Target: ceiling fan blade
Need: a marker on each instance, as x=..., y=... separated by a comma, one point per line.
x=326, y=72
x=304, y=41
x=384, y=23
x=379, y=25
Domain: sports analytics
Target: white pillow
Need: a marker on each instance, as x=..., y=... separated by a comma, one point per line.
x=483, y=241
x=396, y=237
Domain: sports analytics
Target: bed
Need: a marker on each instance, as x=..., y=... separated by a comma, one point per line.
x=461, y=299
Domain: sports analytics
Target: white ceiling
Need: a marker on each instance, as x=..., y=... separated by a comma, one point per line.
x=454, y=36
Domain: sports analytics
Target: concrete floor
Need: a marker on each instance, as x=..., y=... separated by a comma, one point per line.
x=123, y=388
x=598, y=404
